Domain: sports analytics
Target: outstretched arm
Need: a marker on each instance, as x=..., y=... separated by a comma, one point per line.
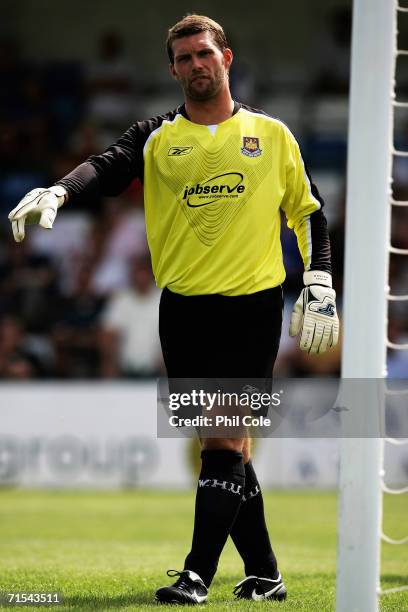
x=107, y=174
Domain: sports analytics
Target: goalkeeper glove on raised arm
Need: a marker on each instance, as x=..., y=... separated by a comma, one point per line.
x=314, y=315
x=38, y=206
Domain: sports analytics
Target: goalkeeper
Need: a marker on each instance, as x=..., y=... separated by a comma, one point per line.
x=216, y=175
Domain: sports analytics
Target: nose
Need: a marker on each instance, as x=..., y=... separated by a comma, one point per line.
x=196, y=62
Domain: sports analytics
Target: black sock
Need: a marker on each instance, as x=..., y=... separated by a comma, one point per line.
x=219, y=493
x=250, y=533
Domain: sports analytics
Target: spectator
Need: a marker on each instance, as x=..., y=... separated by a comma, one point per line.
x=130, y=337
x=76, y=335
x=110, y=82
x=21, y=366
x=119, y=236
x=333, y=55
x=17, y=360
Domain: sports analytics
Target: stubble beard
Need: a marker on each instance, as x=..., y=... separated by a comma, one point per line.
x=213, y=88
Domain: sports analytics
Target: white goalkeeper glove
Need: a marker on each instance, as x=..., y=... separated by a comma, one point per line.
x=314, y=314
x=38, y=206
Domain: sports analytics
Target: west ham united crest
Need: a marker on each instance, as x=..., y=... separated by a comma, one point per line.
x=251, y=146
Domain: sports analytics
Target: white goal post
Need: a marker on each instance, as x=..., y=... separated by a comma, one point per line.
x=369, y=173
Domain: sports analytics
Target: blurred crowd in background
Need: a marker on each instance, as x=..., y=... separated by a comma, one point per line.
x=80, y=302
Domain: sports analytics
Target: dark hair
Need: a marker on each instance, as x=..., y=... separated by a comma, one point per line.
x=194, y=24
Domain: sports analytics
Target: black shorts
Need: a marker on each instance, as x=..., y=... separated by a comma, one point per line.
x=217, y=336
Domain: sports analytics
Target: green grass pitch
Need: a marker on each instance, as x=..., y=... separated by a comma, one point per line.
x=110, y=550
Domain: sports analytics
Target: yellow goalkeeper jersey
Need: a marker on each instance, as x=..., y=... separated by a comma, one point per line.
x=213, y=196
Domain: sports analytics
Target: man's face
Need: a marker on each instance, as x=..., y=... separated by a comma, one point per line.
x=200, y=66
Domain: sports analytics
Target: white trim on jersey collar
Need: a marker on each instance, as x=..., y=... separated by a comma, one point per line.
x=152, y=134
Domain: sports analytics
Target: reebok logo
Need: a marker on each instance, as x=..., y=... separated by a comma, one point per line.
x=178, y=151
x=222, y=484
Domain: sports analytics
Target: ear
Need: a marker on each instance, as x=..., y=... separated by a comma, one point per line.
x=173, y=72
x=228, y=57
